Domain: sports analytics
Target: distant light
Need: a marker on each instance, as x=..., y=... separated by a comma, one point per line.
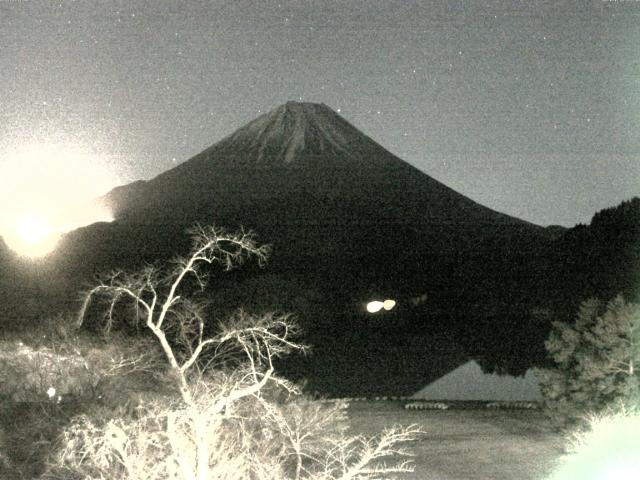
x=51, y=392
x=419, y=300
x=375, y=306
x=388, y=304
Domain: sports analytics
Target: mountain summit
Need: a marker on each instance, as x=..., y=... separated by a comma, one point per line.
x=291, y=130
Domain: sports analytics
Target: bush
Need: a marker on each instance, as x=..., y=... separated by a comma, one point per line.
x=228, y=416
x=596, y=361
x=53, y=372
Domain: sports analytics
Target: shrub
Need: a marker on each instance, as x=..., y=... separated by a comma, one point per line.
x=52, y=372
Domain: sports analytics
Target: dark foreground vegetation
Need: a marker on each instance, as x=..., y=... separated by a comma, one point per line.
x=189, y=401
x=161, y=376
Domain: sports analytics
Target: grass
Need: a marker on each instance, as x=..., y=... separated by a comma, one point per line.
x=470, y=444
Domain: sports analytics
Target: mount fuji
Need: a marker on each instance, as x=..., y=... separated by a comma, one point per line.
x=324, y=194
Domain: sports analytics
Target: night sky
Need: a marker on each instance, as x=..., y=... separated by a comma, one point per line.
x=531, y=108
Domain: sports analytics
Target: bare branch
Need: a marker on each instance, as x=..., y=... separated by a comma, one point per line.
x=195, y=434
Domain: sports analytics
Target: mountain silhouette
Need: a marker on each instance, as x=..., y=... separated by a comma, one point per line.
x=304, y=149
x=318, y=189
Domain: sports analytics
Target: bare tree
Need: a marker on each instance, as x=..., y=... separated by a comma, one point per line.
x=158, y=301
x=224, y=426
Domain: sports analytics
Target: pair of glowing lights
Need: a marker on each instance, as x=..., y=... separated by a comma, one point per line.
x=377, y=305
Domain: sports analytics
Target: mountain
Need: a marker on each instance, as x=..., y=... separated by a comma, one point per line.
x=348, y=221
x=330, y=200
x=309, y=182
x=303, y=149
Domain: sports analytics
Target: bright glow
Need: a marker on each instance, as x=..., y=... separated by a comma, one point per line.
x=610, y=450
x=32, y=229
x=48, y=189
x=51, y=392
x=32, y=236
x=388, y=304
x=375, y=306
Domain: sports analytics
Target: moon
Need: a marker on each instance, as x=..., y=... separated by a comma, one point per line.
x=32, y=229
x=50, y=189
x=32, y=236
